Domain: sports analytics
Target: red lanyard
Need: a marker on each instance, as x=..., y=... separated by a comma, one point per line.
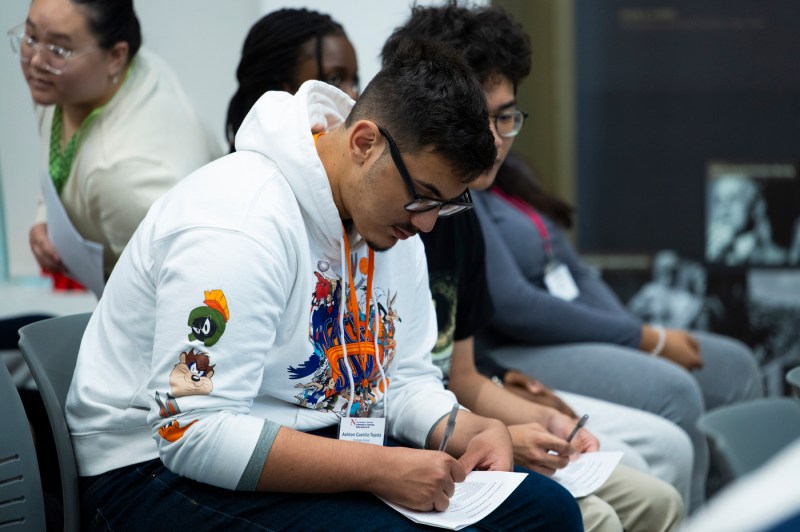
x=531, y=213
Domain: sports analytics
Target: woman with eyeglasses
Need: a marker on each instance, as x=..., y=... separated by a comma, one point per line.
x=117, y=128
x=286, y=48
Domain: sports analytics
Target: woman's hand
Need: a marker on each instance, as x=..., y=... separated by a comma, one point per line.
x=681, y=348
x=523, y=386
x=44, y=251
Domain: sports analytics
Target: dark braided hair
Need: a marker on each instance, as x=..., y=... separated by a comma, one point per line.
x=270, y=57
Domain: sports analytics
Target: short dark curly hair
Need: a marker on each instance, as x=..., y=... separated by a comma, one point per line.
x=488, y=37
x=427, y=97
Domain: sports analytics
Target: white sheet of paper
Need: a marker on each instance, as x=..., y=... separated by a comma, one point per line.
x=475, y=498
x=83, y=258
x=585, y=475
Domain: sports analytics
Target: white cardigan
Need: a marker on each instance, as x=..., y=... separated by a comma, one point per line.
x=146, y=139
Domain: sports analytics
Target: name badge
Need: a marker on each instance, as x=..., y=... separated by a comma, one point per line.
x=363, y=429
x=560, y=283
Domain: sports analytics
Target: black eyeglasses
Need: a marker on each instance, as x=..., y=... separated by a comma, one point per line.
x=422, y=203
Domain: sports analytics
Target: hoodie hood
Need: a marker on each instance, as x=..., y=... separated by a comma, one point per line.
x=290, y=121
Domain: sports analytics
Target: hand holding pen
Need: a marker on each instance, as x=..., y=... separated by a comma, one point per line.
x=578, y=426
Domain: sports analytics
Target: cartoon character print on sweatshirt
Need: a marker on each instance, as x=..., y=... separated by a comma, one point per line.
x=193, y=372
x=324, y=378
x=173, y=431
x=190, y=376
x=208, y=322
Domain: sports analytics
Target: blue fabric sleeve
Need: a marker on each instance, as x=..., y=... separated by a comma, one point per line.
x=524, y=310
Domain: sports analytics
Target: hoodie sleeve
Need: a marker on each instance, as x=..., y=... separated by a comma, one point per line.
x=220, y=297
x=417, y=398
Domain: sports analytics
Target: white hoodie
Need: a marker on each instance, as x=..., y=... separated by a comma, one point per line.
x=220, y=322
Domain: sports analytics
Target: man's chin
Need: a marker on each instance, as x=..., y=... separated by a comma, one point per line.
x=383, y=243
x=380, y=248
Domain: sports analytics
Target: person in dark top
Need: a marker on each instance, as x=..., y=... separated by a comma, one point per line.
x=630, y=499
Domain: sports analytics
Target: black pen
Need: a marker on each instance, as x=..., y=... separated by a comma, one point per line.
x=448, y=430
x=578, y=426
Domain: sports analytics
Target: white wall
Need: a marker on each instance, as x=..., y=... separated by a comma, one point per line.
x=19, y=148
x=202, y=40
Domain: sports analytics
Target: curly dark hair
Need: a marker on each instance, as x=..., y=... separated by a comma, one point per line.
x=488, y=37
x=428, y=98
x=493, y=44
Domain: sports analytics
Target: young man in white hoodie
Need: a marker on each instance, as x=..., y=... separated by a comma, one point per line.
x=249, y=317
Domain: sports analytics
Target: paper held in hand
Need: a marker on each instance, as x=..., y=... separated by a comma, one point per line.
x=475, y=498
x=83, y=258
x=585, y=475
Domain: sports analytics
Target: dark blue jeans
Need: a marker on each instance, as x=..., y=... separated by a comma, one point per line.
x=150, y=497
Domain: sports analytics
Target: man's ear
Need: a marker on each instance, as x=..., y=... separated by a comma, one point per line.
x=364, y=142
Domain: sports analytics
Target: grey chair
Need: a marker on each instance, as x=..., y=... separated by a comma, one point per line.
x=748, y=434
x=21, y=497
x=50, y=348
x=793, y=378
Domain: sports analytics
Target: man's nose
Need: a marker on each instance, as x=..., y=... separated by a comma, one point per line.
x=424, y=221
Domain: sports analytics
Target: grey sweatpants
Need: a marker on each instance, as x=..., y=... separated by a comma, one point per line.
x=632, y=378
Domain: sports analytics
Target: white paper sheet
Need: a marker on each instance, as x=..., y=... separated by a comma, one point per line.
x=83, y=258
x=585, y=475
x=475, y=498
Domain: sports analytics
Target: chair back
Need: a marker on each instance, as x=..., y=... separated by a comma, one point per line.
x=21, y=497
x=748, y=434
x=50, y=348
x=793, y=378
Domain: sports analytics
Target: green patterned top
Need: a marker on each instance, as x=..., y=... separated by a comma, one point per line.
x=61, y=161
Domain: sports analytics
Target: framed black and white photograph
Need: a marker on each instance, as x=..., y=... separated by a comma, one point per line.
x=753, y=214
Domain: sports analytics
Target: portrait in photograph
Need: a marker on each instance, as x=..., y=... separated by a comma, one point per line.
x=753, y=214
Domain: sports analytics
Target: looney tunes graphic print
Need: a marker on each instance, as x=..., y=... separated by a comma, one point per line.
x=332, y=370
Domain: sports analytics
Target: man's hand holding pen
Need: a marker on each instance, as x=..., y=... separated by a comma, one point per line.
x=580, y=439
x=545, y=449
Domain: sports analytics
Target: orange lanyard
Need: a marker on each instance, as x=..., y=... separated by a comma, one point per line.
x=353, y=299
